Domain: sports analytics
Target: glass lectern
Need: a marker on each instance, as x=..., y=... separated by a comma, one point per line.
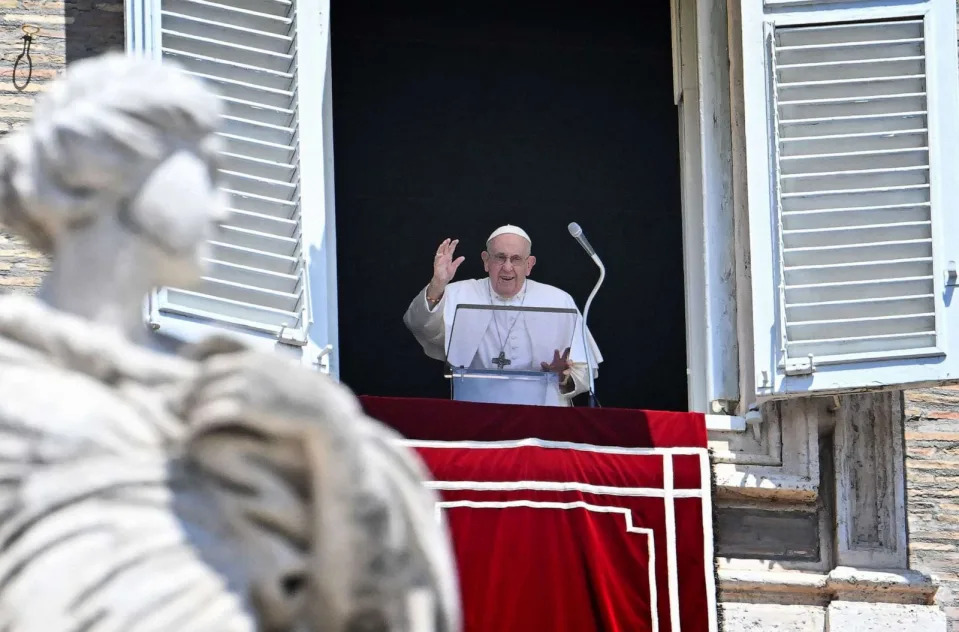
x=507, y=376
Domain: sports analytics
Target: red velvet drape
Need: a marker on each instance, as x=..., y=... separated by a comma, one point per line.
x=570, y=520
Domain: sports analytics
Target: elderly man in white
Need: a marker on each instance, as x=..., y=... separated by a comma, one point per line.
x=504, y=338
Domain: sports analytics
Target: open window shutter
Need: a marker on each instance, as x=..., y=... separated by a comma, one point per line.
x=851, y=130
x=248, y=51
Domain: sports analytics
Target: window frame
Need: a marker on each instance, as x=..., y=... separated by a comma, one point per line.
x=702, y=98
x=317, y=342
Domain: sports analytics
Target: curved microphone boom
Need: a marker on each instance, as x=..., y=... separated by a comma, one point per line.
x=577, y=232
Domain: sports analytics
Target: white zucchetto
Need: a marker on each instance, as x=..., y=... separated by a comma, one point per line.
x=509, y=229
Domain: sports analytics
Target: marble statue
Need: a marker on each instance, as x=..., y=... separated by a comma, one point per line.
x=212, y=489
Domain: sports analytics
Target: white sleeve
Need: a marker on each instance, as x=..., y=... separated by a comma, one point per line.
x=427, y=325
x=580, y=375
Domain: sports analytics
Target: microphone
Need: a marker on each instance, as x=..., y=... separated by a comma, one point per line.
x=577, y=232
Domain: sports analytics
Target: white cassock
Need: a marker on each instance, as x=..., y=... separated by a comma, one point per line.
x=526, y=339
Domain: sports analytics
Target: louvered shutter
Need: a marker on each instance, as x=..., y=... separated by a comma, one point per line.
x=851, y=132
x=249, y=52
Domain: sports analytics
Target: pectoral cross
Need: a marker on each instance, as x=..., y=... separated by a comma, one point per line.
x=501, y=360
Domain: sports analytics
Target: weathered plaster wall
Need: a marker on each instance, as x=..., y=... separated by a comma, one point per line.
x=69, y=30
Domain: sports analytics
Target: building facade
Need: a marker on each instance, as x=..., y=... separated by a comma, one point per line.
x=834, y=511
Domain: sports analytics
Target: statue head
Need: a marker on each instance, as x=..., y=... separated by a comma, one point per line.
x=123, y=149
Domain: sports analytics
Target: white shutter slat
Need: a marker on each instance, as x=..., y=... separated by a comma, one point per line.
x=817, y=330
x=256, y=277
x=857, y=271
x=251, y=258
x=206, y=306
x=859, y=197
x=202, y=65
x=284, y=209
x=812, y=162
x=230, y=88
x=255, y=130
x=844, y=309
x=786, y=4
x=883, y=138
x=839, y=34
x=854, y=36
x=257, y=167
x=818, y=128
x=861, y=61
x=247, y=54
x=892, y=345
x=801, y=258
x=846, y=235
x=260, y=241
x=803, y=294
x=212, y=9
x=257, y=113
x=862, y=69
x=841, y=218
x=818, y=91
x=261, y=223
x=847, y=75
x=248, y=147
x=249, y=184
x=820, y=182
x=817, y=109
x=249, y=294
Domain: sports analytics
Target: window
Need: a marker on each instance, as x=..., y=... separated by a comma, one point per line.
x=851, y=134
x=272, y=261
x=851, y=140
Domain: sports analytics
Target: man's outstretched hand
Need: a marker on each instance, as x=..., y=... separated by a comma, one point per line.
x=562, y=366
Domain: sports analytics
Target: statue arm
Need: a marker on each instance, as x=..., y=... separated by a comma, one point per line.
x=302, y=471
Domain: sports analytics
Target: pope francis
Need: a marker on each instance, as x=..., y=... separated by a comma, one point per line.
x=502, y=339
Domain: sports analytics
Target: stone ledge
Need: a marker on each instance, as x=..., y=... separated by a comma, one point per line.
x=756, y=481
x=741, y=617
x=888, y=586
x=899, y=586
x=882, y=617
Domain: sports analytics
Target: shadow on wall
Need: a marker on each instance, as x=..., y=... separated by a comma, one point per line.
x=92, y=28
x=60, y=32
x=63, y=32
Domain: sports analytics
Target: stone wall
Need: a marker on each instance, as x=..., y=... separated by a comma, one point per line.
x=932, y=490
x=68, y=30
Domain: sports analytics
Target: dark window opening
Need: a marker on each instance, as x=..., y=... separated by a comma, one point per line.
x=453, y=118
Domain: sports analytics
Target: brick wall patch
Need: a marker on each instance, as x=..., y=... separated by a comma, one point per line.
x=68, y=30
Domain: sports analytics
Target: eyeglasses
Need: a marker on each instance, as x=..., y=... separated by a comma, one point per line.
x=501, y=259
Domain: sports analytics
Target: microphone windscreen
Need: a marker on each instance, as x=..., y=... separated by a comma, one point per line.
x=574, y=229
